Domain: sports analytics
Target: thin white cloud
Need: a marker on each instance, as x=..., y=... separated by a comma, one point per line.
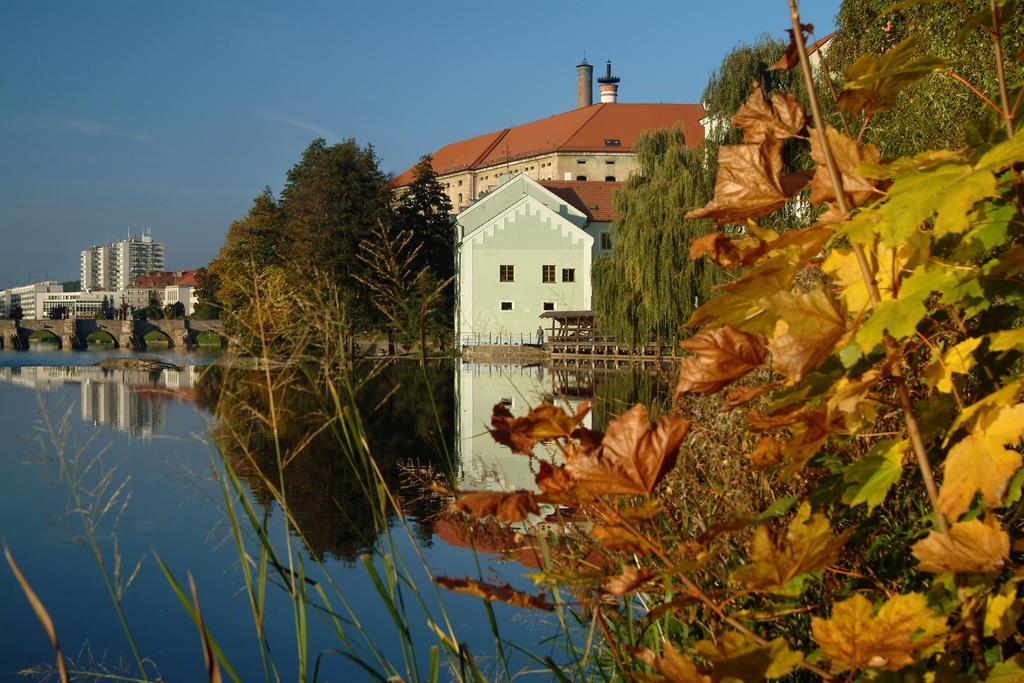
x=303, y=125
x=95, y=128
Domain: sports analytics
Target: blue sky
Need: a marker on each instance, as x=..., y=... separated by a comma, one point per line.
x=174, y=115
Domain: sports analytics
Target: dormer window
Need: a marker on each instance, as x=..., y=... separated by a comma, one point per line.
x=612, y=142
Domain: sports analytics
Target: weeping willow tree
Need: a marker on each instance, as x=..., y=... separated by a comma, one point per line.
x=647, y=289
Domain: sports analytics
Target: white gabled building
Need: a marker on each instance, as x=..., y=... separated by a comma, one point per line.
x=524, y=249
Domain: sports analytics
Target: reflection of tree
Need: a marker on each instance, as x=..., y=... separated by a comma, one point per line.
x=323, y=490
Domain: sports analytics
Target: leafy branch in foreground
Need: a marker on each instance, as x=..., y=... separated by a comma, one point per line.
x=891, y=330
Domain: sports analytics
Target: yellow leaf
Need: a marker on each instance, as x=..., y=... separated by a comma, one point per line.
x=673, y=666
x=980, y=461
x=972, y=546
x=851, y=399
x=809, y=327
x=807, y=546
x=842, y=266
x=737, y=656
x=855, y=638
x=1002, y=612
x=957, y=359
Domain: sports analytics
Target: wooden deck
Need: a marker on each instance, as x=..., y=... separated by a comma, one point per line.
x=599, y=352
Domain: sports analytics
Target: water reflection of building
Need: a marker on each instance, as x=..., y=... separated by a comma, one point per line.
x=130, y=401
x=483, y=462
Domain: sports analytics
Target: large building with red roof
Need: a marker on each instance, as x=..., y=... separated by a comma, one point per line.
x=593, y=142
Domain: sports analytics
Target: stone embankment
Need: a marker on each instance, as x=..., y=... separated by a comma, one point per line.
x=505, y=354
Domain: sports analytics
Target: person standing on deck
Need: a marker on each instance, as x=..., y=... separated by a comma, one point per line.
x=540, y=335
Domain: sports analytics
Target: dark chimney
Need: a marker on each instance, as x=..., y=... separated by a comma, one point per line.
x=584, y=84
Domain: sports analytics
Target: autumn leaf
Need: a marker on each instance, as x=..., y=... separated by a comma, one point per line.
x=873, y=81
x=958, y=359
x=748, y=185
x=675, y=667
x=847, y=155
x=810, y=326
x=767, y=453
x=543, y=423
x=633, y=457
x=841, y=265
x=503, y=593
x=506, y=506
x=791, y=57
x=1003, y=611
x=739, y=397
x=761, y=119
x=554, y=479
x=718, y=247
x=723, y=356
x=620, y=537
x=972, y=546
x=628, y=581
x=807, y=435
x=807, y=546
x=981, y=461
x=736, y=656
x=851, y=399
x=868, y=480
x=855, y=638
x=744, y=303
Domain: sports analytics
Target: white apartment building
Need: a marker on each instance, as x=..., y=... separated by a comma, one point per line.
x=115, y=266
x=82, y=304
x=26, y=297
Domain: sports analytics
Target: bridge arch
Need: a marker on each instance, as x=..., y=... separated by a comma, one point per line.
x=158, y=339
x=100, y=339
x=43, y=337
x=209, y=339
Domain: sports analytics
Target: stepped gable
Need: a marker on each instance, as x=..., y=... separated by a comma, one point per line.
x=586, y=129
x=593, y=198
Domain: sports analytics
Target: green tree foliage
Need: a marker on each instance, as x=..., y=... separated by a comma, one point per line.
x=939, y=111
x=174, y=311
x=153, y=310
x=333, y=198
x=106, y=310
x=208, y=306
x=15, y=313
x=648, y=287
x=58, y=313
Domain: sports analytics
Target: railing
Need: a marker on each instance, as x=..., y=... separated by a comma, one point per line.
x=498, y=339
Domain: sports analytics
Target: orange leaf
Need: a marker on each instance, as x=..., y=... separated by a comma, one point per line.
x=720, y=247
x=749, y=183
x=760, y=120
x=847, y=154
x=676, y=668
x=723, y=356
x=503, y=593
x=546, y=422
x=507, y=507
x=767, y=454
x=739, y=397
x=791, y=57
x=973, y=546
x=633, y=456
x=554, y=479
x=628, y=581
x=809, y=327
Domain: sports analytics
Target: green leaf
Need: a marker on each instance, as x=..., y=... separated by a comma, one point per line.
x=779, y=508
x=873, y=81
x=899, y=317
x=735, y=656
x=1010, y=671
x=869, y=479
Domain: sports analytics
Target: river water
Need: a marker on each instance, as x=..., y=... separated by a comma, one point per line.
x=156, y=434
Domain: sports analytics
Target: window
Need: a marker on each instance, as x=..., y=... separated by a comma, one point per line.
x=547, y=273
x=568, y=275
x=610, y=178
x=460, y=183
x=581, y=161
x=549, y=305
x=609, y=161
x=612, y=142
x=506, y=274
x=506, y=305
x=606, y=240
x=581, y=177
x=460, y=195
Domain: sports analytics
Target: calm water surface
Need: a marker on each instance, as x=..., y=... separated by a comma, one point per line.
x=157, y=432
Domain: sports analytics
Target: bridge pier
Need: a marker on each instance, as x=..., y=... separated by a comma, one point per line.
x=68, y=333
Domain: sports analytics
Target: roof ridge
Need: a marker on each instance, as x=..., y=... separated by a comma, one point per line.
x=590, y=118
x=490, y=148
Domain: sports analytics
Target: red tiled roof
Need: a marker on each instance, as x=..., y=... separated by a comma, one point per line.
x=593, y=198
x=818, y=44
x=578, y=130
x=185, y=278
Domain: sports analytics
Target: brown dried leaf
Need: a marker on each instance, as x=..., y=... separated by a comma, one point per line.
x=633, y=456
x=739, y=397
x=847, y=155
x=723, y=356
x=854, y=638
x=972, y=546
x=628, y=581
x=807, y=546
x=791, y=57
x=546, y=422
x=506, y=506
x=719, y=246
x=503, y=593
x=768, y=453
x=620, y=537
x=981, y=462
x=749, y=183
x=807, y=436
x=760, y=120
x=810, y=326
x=675, y=667
x=738, y=657
x=554, y=479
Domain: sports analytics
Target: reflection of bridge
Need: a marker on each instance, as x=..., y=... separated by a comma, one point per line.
x=125, y=334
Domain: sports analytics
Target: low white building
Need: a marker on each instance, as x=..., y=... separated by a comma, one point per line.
x=83, y=304
x=186, y=294
x=26, y=297
x=525, y=248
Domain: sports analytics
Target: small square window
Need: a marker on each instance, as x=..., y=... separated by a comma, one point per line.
x=610, y=178
x=606, y=240
x=547, y=273
x=581, y=161
x=506, y=305
x=568, y=275
x=460, y=183
x=581, y=177
x=609, y=161
x=549, y=305
x=506, y=274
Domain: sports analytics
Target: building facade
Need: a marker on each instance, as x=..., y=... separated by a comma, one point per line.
x=592, y=143
x=26, y=296
x=82, y=304
x=524, y=249
x=115, y=266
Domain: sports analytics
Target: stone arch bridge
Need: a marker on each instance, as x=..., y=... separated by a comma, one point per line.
x=126, y=334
